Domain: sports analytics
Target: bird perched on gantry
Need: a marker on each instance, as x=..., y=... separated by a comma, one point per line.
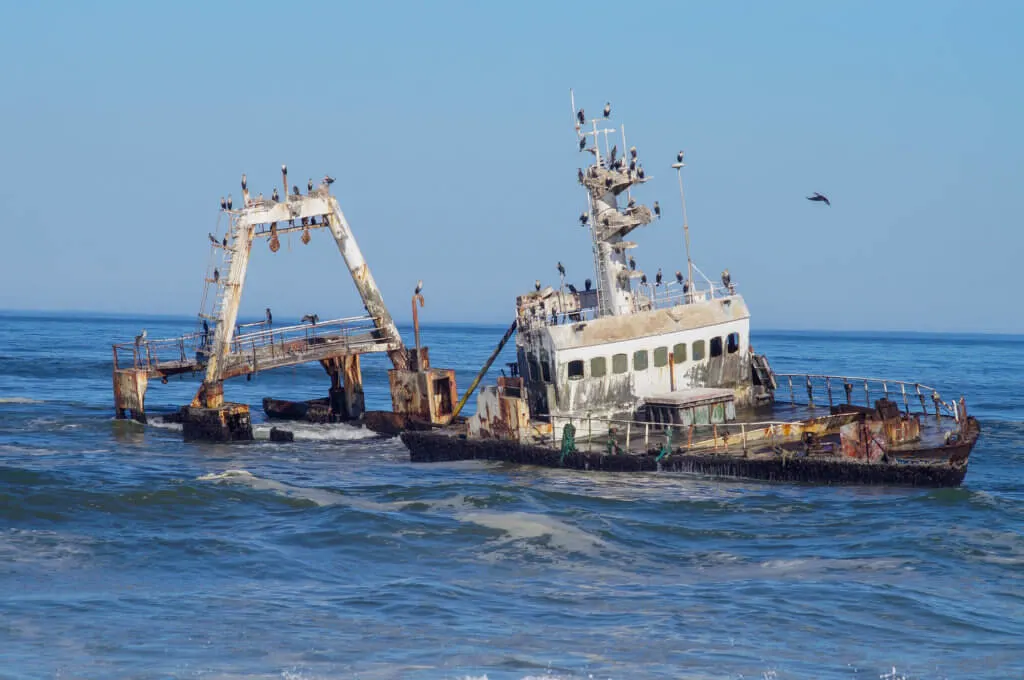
x=727, y=280
x=820, y=198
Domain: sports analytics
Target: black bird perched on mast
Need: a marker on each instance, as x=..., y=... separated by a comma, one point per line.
x=632, y=165
x=607, y=109
x=580, y=117
x=632, y=151
x=632, y=202
x=579, y=174
x=216, y=275
x=584, y=218
x=213, y=239
x=657, y=277
x=245, y=182
x=679, y=157
x=295, y=189
x=328, y=180
x=309, y=185
x=223, y=203
x=225, y=241
x=572, y=289
x=583, y=143
x=587, y=284
x=657, y=210
x=726, y=279
x=632, y=263
x=419, y=287
x=640, y=171
x=536, y=285
x=229, y=201
x=561, y=269
x=643, y=279
x=679, y=277
x=819, y=197
x=274, y=196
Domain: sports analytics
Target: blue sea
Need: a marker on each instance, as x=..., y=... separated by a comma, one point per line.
x=126, y=553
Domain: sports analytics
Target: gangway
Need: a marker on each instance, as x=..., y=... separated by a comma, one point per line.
x=220, y=350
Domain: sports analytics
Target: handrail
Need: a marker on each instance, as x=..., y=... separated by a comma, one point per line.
x=811, y=380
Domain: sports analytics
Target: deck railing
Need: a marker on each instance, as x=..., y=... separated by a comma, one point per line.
x=815, y=390
x=191, y=349
x=605, y=433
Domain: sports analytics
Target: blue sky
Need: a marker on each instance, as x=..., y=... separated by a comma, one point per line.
x=447, y=126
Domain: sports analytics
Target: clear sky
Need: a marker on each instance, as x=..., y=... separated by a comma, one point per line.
x=448, y=128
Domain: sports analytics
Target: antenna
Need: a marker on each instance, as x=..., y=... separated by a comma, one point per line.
x=686, y=225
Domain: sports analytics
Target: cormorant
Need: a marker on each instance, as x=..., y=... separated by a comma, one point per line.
x=225, y=242
x=328, y=180
x=819, y=197
x=245, y=182
x=309, y=185
x=223, y=203
x=726, y=279
x=587, y=284
x=632, y=263
x=229, y=201
x=536, y=285
x=632, y=165
x=632, y=202
x=657, y=277
x=611, y=157
x=284, y=168
x=216, y=275
x=657, y=210
x=419, y=287
x=584, y=218
x=583, y=143
x=607, y=181
x=274, y=196
x=561, y=269
x=270, y=317
x=295, y=189
x=679, y=157
x=640, y=171
x=579, y=174
x=213, y=239
x=643, y=279
x=632, y=151
x=311, y=318
x=679, y=277
x=607, y=109
x=572, y=289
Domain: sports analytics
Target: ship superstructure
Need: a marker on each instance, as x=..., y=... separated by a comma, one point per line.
x=634, y=337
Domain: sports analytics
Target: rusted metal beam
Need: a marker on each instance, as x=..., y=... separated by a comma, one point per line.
x=483, y=371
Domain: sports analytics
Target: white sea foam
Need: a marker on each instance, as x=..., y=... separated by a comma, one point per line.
x=163, y=424
x=316, y=432
x=519, y=526
x=20, y=400
x=243, y=477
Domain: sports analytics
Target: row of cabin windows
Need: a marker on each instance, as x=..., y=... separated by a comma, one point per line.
x=660, y=356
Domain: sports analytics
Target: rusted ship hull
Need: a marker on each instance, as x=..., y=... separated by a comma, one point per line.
x=943, y=466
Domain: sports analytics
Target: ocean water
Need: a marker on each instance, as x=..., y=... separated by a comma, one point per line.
x=125, y=552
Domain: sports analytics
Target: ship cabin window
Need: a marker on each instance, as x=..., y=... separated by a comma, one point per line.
x=679, y=353
x=545, y=366
x=732, y=343
x=598, y=367
x=620, y=363
x=576, y=369
x=698, y=350
x=716, y=347
x=661, y=357
x=640, y=360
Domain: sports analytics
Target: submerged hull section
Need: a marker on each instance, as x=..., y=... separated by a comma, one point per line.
x=943, y=466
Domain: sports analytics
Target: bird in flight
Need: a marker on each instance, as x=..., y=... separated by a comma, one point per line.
x=819, y=197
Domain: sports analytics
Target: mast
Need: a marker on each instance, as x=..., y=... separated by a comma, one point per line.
x=686, y=225
x=604, y=179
